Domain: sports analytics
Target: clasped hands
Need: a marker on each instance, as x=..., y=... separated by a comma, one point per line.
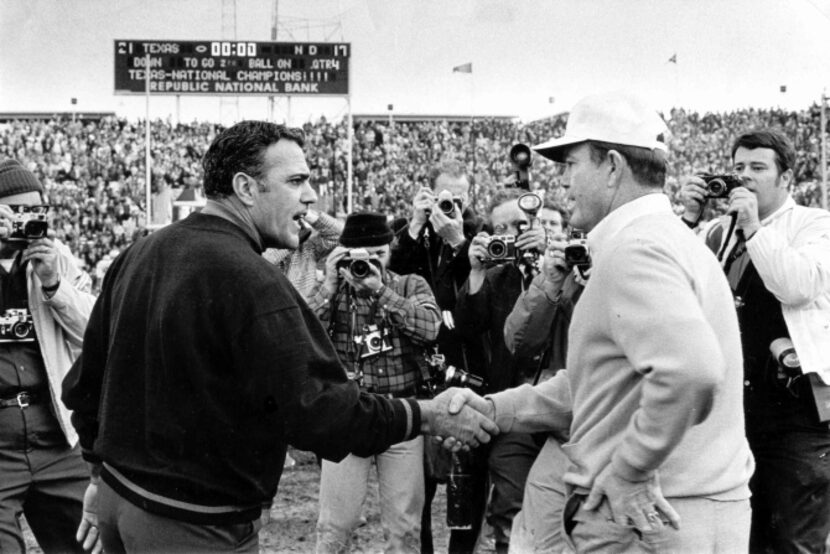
x=459, y=418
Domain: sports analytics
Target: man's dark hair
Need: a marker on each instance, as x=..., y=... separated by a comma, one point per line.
x=769, y=138
x=452, y=168
x=503, y=196
x=647, y=166
x=557, y=207
x=241, y=149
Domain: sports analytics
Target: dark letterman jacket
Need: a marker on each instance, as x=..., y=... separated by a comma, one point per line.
x=200, y=364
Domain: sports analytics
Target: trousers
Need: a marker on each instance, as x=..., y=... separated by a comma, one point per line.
x=127, y=528
x=537, y=528
x=343, y=488
x=706, y=526
x=790, y=491
x=41, y=477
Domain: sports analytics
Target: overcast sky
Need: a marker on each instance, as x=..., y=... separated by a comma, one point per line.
x=730, y=53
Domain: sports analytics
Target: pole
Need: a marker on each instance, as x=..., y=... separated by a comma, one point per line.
x=474, y=184
x=147, y=172
x=178, y=108
x=349, y=167
x=288, y=111
x=823, y=124
x=823, y=150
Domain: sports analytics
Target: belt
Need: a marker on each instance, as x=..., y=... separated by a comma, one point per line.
x=21, y=400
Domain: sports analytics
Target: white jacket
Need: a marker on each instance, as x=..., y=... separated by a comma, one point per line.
x=791, y=252
x=60, y=323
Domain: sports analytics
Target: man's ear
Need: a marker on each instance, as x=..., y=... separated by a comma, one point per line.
x=615, y=168
x=245, y=187
x=786, y=179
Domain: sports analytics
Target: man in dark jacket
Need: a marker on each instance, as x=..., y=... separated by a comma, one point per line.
x=201, y=363
x=434, y=244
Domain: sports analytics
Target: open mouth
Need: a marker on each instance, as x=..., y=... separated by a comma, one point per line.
x=299, y=219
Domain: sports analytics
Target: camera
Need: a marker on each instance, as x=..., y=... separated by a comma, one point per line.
x=16, y=325
x=576, y=251
x=29, y=223
x=719, y=186
x=501, y=248
x=372, y=342
x=783, y=352
x=442, y=376
x=357, y=263
x=455, y=377
x=448, y=203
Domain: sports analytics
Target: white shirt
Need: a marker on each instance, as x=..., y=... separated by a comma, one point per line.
x=791, y=252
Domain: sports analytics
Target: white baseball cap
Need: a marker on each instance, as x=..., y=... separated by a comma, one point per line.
x=616, y=117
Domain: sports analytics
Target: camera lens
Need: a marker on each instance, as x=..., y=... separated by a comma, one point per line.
x=374, y=343
x=496, y=249
x=446, y=206
x=359, y=269
x=716, y=187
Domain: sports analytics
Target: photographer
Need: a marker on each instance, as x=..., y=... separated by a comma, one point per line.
x=483, y=304
x=776, y=256
x=434, y=245
x=42, y=474
x=379, y=323
x=538, y=327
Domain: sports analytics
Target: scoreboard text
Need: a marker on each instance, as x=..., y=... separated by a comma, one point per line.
x=237, y=68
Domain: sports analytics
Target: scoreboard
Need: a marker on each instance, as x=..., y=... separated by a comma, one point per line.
x=237, y=68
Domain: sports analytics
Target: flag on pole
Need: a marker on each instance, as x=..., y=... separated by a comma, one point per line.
x=673, y=58
x=783, y=88
x=465, y=68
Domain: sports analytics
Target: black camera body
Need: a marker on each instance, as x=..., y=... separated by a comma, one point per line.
x=16, y=325
x=373, y=342
x=501, y=248
x=719, y=186
x=357, y=263
x=576, y=251
x=29, y=224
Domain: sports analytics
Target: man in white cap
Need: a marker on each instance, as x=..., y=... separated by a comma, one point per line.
x=651, y=397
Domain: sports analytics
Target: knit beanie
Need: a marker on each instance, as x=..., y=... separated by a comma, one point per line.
x=366, y=229
x=16, y=179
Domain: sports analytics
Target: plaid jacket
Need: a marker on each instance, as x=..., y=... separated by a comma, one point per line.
x=405, y=309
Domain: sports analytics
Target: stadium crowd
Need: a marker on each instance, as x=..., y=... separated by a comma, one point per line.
x=94, y=170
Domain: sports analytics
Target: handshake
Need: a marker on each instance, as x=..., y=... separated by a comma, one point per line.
x=460, y=418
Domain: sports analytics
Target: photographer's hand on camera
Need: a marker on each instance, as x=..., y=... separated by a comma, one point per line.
x=744, y=204
x=421, y=206
x=693, y=197
x=332, y=280
x=451, y=229
x=43, y=256
x=6, y=219
x=554, y=267
x=534, y=239
x=477, y=253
